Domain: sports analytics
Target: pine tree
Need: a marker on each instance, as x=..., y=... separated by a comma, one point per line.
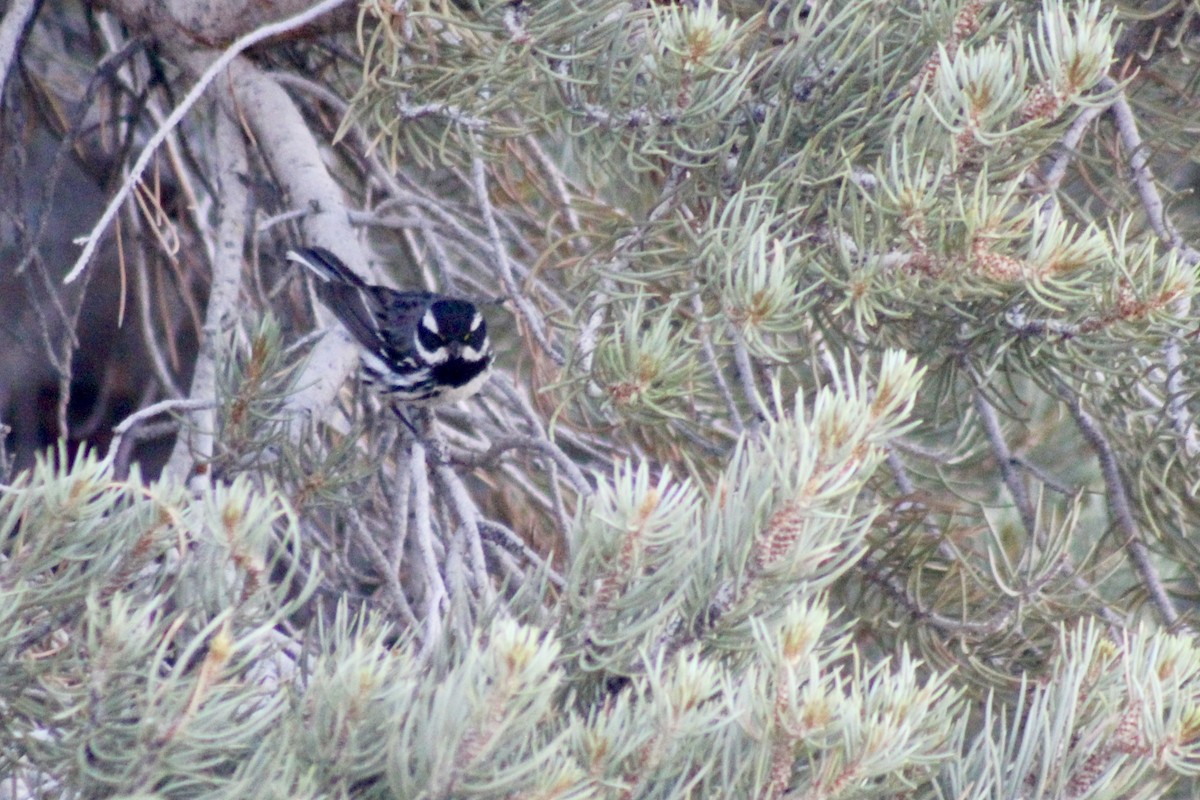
x=840, y=442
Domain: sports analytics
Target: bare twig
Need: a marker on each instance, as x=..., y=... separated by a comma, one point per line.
x=1175, y=406
x=60, y=342
x=197, y=440
x=894, y=586
x=900, y=592
x=16, y=21
x=435, y=587
x=1139, y=163
x=60, y=348
x=501, y=536
x=139, y=416
x=150, y=337
x=530, y=315
x=562, y=194
x=401, y=486
x=267, y=223
x=559, y=504
x=1004, y=460
x=745, y=370
x=162, y=406
x=463, y=507
x=589, y=335
x=1119, y=506
x=564, y=462
x=139, y=166
x=1067, y=148
x=391, y=579
x=501, y=445
x=714, y=365
x=142, y=433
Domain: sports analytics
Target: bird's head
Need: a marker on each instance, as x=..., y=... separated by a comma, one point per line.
x=451, y=329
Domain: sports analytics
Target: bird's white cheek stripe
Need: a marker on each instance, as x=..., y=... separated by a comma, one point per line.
x=476, y=321
x=429, y=321
x=431, y=357
x=471, y=354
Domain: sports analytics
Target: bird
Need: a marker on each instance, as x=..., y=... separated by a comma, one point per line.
x=418, y=348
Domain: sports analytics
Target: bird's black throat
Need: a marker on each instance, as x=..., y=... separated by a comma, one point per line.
x=458, y=371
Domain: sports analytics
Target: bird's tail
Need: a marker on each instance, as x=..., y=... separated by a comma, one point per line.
x=325, y=265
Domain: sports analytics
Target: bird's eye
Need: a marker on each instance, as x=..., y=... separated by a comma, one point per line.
x=430, y=340
x=476, y=337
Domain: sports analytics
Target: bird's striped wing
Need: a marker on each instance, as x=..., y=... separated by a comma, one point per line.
x=396, y=322
x=374, y=315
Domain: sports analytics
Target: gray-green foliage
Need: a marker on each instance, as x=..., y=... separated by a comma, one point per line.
x=859, y=460
x=738, y=672
x=736, y=680
x=140, y=628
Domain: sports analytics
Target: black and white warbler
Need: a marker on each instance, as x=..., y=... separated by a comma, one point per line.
x=418, y=348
